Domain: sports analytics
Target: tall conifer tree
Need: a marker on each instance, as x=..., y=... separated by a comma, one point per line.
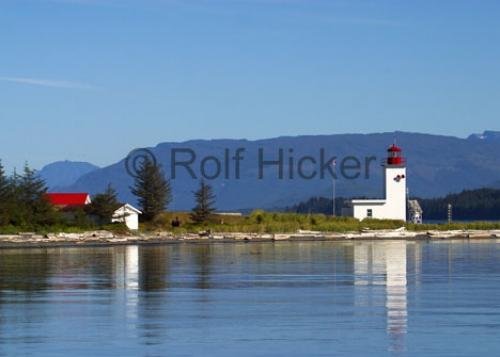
x=205, y=203
x=152, y=189
x=104, y=205
x=30, y=198
x=4, y=197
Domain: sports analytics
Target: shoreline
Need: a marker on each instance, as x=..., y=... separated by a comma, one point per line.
x=106, y=238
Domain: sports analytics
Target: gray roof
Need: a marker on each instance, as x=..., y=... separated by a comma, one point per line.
x=413, y=205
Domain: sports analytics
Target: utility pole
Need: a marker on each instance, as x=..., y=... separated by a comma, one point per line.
x=334, y=165
x=333, y=189
x=450, y=211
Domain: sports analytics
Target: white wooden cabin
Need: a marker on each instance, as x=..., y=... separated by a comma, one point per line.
x=127, y=214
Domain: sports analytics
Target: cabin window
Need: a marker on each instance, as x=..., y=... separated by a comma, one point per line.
x=369, y=213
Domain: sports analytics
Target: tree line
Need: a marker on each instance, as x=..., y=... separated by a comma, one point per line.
x=24, y=202
x=478, y=204
x=318, y=205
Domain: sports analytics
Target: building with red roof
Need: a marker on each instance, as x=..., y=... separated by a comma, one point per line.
x=68, y=200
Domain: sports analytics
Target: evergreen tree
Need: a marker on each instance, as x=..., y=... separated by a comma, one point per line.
x=30, y=199
x=16, y=212
x=152, y=189
x=4, y=197
x=104, y=205
x=4, y=182
x=205, y=201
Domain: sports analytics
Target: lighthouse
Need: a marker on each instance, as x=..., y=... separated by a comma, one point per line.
x=393, y=205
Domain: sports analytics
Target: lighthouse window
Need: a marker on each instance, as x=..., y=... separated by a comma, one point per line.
x=369, y=213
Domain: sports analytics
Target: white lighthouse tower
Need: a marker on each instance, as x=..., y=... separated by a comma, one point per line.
x=393, y=205
x=395, y=183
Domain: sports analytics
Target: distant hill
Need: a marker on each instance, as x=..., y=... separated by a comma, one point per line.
x=487, y=135
x=64, y=173
x=437, y=165
x=495, y=184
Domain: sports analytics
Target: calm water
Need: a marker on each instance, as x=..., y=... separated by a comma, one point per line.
x=282, y=299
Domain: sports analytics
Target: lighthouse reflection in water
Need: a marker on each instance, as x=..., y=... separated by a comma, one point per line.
x=384, y=264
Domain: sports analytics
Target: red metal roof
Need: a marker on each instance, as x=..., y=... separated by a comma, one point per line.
x=394, y=148
x=68, y=199
x=395, y=157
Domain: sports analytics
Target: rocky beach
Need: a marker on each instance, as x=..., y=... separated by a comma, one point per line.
x=107, y=238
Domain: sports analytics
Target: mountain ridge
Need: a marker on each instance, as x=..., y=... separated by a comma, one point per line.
x=437, y=165
x=60, y=174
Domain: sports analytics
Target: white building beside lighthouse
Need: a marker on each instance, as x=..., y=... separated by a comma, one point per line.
x=393, y=205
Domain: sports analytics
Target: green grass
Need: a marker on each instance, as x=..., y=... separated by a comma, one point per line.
x=12, y=230
x=271, y=222
x=257, y=222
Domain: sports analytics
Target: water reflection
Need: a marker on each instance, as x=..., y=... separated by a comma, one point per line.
x=396, y=305
x=139, y=272
x=384, y=264
x=202, y=260
x=126, y=267
x=297, y=298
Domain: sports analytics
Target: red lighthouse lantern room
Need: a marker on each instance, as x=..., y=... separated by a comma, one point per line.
x=395, y=156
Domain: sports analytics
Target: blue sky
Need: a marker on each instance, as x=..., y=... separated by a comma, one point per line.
x=91, y=79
